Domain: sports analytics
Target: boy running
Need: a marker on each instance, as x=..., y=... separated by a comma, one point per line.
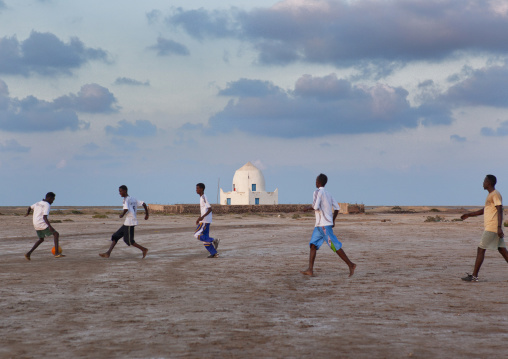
x=41, y=223
x=130, y=206
x=203, y=223
x=492, y=237
x=323, y=204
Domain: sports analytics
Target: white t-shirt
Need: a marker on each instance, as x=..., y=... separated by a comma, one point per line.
x=131, y=204
x=204, y=204
x=40, y=209
x=324, y=206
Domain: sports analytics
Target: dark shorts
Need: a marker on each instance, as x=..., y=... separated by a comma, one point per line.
x=125, y=232
x=44, y=233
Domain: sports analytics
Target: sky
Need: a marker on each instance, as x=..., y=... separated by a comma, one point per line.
x=399, y=102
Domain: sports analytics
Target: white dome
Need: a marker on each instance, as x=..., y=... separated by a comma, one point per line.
x=246, y=176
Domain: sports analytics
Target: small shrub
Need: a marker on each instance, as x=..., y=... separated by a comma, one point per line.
x=434, y=219
x=435, y=210
x=58, y=212
x=99, y=216
x=296, y=216
x=506, y=224
x=55, y=221
x=68, y=220
x=396, y=208
x=76, y=212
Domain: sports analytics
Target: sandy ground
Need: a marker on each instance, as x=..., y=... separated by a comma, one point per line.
x=406, y=298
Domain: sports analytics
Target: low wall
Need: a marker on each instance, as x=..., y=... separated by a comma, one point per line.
x=345, y=208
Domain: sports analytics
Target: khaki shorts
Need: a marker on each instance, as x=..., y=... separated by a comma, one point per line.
x=490, y=240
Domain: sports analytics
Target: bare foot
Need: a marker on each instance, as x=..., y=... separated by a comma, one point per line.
x=104, y=255
x=144, y=253
x=307, y=272
x=27, y=256
x=59, y=255
x=352, y=269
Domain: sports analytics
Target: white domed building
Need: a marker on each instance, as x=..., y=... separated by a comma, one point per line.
x=248, y=188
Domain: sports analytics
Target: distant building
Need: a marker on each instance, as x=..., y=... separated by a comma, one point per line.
x=248, y=188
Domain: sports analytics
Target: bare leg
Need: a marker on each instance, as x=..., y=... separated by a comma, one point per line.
x=37, y=244
x=108, y=253
x=480, y=256
x=312, y=258
x=345, y=258
x=143, y=249
x=56, y=236
x=504, y=253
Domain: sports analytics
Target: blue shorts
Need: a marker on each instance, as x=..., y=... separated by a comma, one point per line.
x=322, y=234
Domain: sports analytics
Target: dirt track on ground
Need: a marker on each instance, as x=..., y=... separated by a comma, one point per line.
x=406, y=298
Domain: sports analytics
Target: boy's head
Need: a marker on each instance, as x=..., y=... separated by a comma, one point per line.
x=123, y=190
x=200, y=188
x=491, y=179
x=321, y=180
x=50, y=197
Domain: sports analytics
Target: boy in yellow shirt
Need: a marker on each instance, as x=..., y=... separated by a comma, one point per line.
x=492, y=237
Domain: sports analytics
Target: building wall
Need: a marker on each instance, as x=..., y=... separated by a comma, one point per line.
x=249, y=197
x=281, y=208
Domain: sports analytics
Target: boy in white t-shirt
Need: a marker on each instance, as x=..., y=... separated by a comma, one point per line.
x=326, y=210
x=41, y=223
x=130, y=206
x=203, y=223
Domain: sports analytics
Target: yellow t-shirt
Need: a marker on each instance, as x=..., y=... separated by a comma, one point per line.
x=490, y=212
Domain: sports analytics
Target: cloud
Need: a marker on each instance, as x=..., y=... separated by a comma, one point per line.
x=141, y=128
x=203, y=23
x=502, y=130
x=166, y=47
x=249, y=88
x=319, y=106
x=343, y=32
x=130, y=82
x=45, y=54
x=33, y=115
x=483, y=87
x=13, y=146
x=153, y=16
x=92, y=98
x=457, y=138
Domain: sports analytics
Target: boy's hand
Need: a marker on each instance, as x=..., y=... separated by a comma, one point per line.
x=464, y=216
x=500, y=232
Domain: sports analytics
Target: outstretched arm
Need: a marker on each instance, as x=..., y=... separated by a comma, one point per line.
x=500, y=221
x=472, y=214
x=28, y=211
x=146, y=211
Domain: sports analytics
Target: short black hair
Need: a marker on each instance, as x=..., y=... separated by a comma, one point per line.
x=124, y=187
x=50, y=195
x=322, y=179
x=201, y=185
x=492, y=179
